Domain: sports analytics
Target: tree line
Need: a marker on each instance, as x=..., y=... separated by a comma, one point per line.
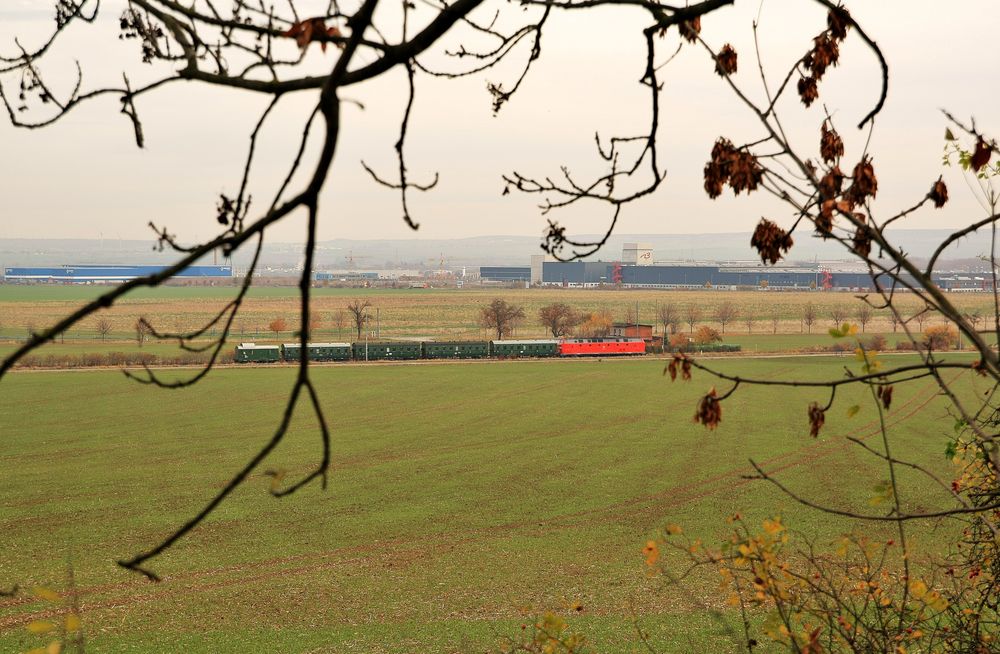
x=561, y=320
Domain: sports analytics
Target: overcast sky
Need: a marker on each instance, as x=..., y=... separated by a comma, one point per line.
x=84, y=177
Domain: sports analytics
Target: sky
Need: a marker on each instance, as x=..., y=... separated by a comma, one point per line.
x=84, y=177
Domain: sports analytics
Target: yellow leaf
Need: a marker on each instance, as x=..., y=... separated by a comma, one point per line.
x=673, y=529
x=277, y=476
x=72, y=622
x=918, y=589
x=40, y=627
x=853, y=410
x=773, y=526
x=54, y=647
x=652, y=552
x=43, y=593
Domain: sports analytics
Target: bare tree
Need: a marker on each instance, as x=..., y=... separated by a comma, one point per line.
x=775, y=320
x=725, y=313
x=670, y=316
x=631, y=317
x=358, y=310
x=894, y=320
x=809, y=316
x=315, y=322
x=103, y=326
x=864, y=315
x=920, y=317
x=339, y=320
x=974, y=317
x=500, y=316
x=143, y=329
x=749, y=318
x=838, y=314
x=692, y=316
x=559, y=318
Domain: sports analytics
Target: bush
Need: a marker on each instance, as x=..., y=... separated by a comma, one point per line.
x=679, y=342
x=119, y=359
x=844, y=346
x=717, y=347
x=876, y=343
x=705, y=335
x=940, y=337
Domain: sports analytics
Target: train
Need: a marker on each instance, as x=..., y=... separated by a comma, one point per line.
x=410, y=350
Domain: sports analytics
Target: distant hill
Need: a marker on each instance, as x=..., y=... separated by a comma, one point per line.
x=470, y=252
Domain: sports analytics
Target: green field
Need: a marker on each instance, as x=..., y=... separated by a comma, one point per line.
x=464, y=498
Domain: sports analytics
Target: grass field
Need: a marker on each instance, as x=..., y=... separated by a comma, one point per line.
x=464, y=498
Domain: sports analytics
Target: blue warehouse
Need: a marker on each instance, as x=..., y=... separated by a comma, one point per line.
x=105, y=274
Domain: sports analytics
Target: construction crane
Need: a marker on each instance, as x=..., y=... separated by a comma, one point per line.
x=350, y=259
x=441, y=262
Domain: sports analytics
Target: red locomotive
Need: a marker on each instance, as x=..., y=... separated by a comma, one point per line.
x=601, y=346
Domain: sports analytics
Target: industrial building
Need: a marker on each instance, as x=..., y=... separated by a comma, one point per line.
x=505, y=273
x=363, y=275
x=345, y=276
x=105, y=274
x=696, y=275
x=637, y=269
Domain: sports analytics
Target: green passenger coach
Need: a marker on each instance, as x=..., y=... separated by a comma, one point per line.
x=252, y=353
x=329, y=351
x=534, y=348
x=317, y=351
x=456, y=349
x=392, y=351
